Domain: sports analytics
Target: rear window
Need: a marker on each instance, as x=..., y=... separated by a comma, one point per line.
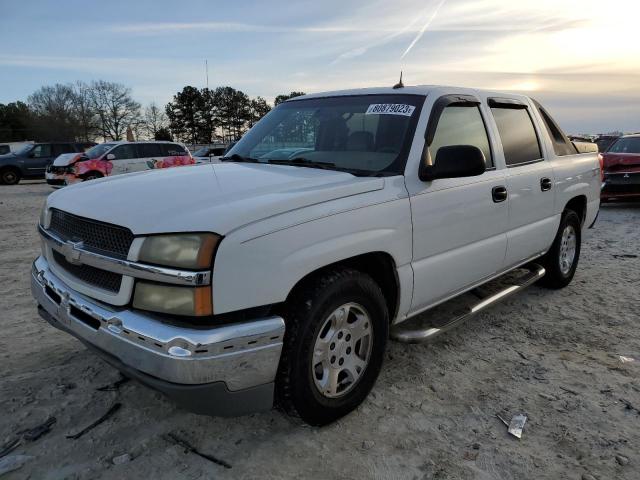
x=626, y=145
x=173, y=150
x=518, y=136
x=561, y=143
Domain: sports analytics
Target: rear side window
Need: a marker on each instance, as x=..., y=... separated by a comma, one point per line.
x=59, y=148
x=561, y=144
x=461, y=125
x=518, y=135
x=148, y=150
x=173, y=150
x=41, y=151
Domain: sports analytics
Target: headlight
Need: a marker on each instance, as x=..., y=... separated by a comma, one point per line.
x=195, y=302
x=181, y=250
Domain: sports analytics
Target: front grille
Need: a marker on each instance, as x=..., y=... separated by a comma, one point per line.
x=93, y=276
x=110, y=239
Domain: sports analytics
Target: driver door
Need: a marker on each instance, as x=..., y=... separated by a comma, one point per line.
x=124, y=155
x=459, y=227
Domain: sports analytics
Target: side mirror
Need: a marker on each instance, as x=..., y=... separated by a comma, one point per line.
x=110, y=156
x=454, y=161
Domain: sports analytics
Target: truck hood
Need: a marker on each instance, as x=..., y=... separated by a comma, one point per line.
x=217, y=198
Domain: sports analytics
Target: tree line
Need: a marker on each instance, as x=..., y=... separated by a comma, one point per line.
x=102, y=110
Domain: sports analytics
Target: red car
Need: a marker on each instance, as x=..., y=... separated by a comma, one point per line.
x=621, y=168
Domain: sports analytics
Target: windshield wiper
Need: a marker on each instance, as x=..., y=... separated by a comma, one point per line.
x=239, y=158
x=304, y=162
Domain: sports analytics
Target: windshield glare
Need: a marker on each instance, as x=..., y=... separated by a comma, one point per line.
x=98, y=150
x=24, y=150
x=363, y=134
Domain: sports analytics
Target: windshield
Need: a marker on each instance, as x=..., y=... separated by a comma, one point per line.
x=98, y=150
x=24, y=150
x=626, y=145
x=362, y=134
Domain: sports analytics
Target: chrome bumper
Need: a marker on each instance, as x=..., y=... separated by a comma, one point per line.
x=241, y=355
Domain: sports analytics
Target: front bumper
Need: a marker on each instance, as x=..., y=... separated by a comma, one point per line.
x=228, y=370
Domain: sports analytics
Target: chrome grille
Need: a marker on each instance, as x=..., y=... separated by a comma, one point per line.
x=102, y=237
x=93, y=276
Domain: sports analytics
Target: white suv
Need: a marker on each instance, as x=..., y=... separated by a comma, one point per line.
x=113, y=158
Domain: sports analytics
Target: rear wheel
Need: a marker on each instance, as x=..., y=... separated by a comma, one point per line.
x=337, y=329
x=10, y=176
x=561, y=260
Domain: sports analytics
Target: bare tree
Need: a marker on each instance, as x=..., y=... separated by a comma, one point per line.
x=85, y=113
x=115, y=108
x=154, y=120
x=53, y=107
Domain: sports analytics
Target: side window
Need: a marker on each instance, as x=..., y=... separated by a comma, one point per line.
x=41, y=151
x=60, y=148
x=519, y=139
x=461, y=125
x=172, y=150
x=124, y=152
x=148, y=150
x=561, y=143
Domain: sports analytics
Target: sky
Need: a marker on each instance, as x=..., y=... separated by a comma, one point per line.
x=580, y=58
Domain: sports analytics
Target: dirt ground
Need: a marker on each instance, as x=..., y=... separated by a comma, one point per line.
x=553, y=355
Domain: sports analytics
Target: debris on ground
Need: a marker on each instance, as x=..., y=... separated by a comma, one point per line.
x=115, y=386
x=517, y=424
x=120, y=459
x=13, y=462
x=114, y=408
x=27, y=435
x=190, y=448
x=33, y=434
x=622, y=460
x=368, y=444
x=629, y=406
x=624, y=255
x=625, y=359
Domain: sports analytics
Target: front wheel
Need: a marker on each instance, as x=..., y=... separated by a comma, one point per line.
x=561, y=260
x=336, y=334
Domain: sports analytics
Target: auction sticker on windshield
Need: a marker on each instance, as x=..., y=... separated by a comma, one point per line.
x=390, y=109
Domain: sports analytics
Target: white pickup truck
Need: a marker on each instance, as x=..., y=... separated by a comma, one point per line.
x=279, y=274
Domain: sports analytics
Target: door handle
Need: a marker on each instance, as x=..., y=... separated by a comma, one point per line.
x=499, y=194
x=545, y=184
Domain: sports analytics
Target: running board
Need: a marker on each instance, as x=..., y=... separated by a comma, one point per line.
x=407, y=333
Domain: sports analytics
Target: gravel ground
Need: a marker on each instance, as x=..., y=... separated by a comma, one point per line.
x=553, y=355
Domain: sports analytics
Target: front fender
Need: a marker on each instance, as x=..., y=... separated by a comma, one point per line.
x=263, y=270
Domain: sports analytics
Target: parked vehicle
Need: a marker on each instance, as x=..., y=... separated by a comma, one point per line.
x=605, y=141
x=13, y=146
x=114, y=158
x=210, y=154
x=32, y=160
x=621, y=166
x=231, y=284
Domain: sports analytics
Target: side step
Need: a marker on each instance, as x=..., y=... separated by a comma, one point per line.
x=420, y=331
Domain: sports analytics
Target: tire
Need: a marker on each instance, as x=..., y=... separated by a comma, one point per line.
x=10, y=176
x=91, y=176
x=557, y=262
x=321, y=344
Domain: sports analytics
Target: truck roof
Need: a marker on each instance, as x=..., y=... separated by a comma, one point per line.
x=408, y=90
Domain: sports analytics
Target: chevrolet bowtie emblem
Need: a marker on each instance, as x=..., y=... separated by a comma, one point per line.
x=71, y=251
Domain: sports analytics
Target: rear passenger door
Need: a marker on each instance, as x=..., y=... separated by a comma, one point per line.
x=530, y=181
x=39, y=158
x=150, y=155
x=459, y=228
